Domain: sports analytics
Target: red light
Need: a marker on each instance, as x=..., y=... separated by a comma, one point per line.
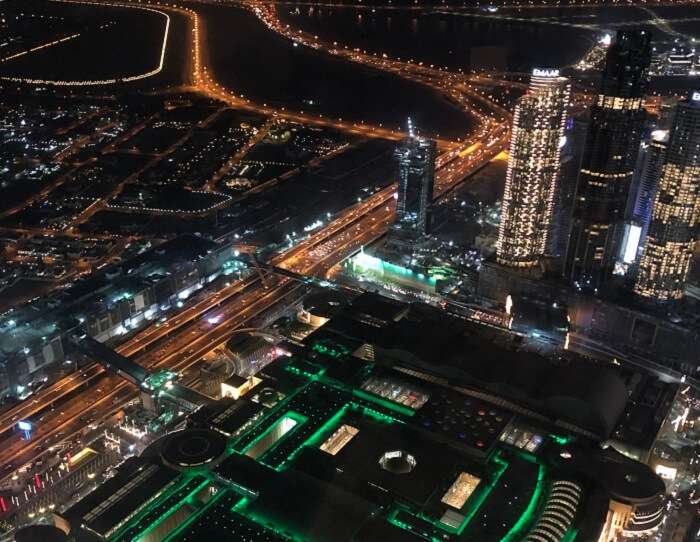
x=37, y=481
x=3, y=506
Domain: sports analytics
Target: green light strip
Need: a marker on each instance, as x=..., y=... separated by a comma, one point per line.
x=173, y=536
x=402, y=525
x=376, y=415
x=295, y=416
x=392, y=518
x=479, y=500
x=527, y=518
x=240, y=505
x=147, y=510
x=386, y=403
x=336, y=351
x=173, y=509
x=319, y=435
x=570, y=535
x=562, y=441
x=299, y=372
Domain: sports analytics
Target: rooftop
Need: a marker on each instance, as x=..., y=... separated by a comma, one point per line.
x=592, y=397
x=330, y=447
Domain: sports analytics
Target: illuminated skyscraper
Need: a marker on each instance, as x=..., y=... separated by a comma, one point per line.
x=416, y=157
x=652, y=154
x=607, y=168
x=665, y=262
x=533, y=170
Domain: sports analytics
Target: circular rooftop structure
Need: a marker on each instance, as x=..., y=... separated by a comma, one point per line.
x=192, y=448
x=397, y=462
x=631, y=482
x=626, y=480
x=40, y=533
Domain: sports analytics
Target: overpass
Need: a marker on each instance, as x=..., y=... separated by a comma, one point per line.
x=157, y=384
x=109, y=359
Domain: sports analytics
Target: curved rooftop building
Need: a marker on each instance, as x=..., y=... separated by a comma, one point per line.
x=328, y=446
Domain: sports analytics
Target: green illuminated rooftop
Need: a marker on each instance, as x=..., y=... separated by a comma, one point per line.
x=328, y=447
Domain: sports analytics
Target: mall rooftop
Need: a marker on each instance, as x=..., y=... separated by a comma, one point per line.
x=327, y=445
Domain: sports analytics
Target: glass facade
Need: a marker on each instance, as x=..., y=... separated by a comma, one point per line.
x=416, y=157
x=665, y=262
x=607, y=168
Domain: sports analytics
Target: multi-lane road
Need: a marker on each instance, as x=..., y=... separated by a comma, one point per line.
x=183, y=339
x=67, y=406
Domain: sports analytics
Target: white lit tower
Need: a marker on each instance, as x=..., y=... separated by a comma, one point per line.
x=416, y=157
x=533, y=170
x=663, y=269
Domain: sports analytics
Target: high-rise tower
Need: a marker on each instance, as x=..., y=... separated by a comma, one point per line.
x=652, y=154
x=665, y=262
x=416, y=157
x=533, y=170
x=607, y=168
x=571, y=154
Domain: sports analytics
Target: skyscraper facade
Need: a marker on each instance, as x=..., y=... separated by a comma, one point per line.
x=641, y=198
x=610, y=155
x=571, y=153
x=416, y=157
x=667, y=254
x=533, y=170
x=652, y=155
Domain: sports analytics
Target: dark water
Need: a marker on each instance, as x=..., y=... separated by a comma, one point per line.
x=250, y=59
x=114, y=42
x=451, y=37
x=445, y=39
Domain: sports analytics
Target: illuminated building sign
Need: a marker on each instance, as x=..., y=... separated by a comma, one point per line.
x=667, y=473
x=538, y=72
x=377, y=270
x=696, y=96
x=631, y=244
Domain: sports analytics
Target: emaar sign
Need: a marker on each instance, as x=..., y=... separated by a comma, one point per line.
x=545, y=73
x=695, y=96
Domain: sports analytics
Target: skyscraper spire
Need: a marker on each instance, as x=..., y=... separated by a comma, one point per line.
x=416, y=157
x=411, y=130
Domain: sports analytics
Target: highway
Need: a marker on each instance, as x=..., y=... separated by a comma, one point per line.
x=187, y=336
x=456, y=87
x=179, y=343
x=55, y=392
x=194, y=336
